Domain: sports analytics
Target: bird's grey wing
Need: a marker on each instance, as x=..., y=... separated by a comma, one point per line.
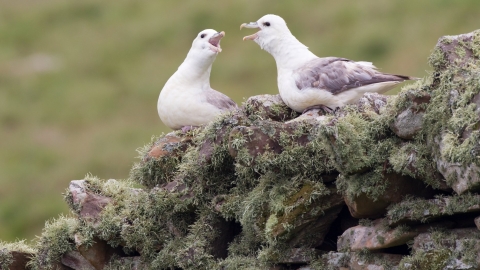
x=220, y=100
x=340, y=74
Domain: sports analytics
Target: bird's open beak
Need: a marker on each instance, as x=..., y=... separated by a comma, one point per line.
x=215, y=41
x=250, y=25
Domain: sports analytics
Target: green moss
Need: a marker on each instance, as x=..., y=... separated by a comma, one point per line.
x=423, y=210
x=437, y=58
x=460, y=52
x=435, y=260
x=331, y=261
x=476, y=44
x=290, y=208
x=415, y=160
x=6, y=257
x=150, y=218
x=150, y=171
x=6, y=249
x=365, y=222
x=119, y=263
x=195, y=251
x=57, y=239
x=294, y=145
x=380, y=239
x=373, y=184
x=276, y=111
x=270, y=225
x=242, y=263
x=208, y=169
x=450, y=114
x=282, y=112
x=446, y=250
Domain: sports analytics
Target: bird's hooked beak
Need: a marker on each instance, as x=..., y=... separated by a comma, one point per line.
x=250, y=25
x=215, y=41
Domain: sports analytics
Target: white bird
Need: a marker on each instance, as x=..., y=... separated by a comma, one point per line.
x=306, y=81
x=187, y=100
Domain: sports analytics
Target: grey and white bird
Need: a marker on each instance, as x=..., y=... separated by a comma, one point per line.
x=305, y=80
x=187, y=100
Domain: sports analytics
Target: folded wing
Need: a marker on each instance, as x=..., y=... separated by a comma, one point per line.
x=220, y=100
x=337, y=75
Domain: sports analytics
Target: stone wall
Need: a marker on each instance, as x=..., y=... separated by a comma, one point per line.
x=389, y=183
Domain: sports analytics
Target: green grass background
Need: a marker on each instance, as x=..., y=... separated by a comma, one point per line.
x=79, y=80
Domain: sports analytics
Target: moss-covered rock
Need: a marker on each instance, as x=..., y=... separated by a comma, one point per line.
x=264, y=188
x=413, y=210
x=452, y=117
x=445, y=249
x=377, y=235
x=305, y=220
x=268, y=107
x=159, y=159
x=357, y=261
x=392, y=188
x=15, y=256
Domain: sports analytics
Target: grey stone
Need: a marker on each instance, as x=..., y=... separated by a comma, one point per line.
x=379, y=236
x=409, y=122
x=20, y=260
x=372, y=101
x=415, y=211
x=171, y=145
x=308, y=222
x=353, y=261
x=258, y=140
x=268, y=107
x=76, y=261
x=477, y=222
x=463, y=177
x=457, y=243
x=398, y=187
x=460, y=57
x=86, y=203
x=299, y=256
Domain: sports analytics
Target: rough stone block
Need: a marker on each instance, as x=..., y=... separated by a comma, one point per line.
x=455, y=249
x=409, y=121
x=269, y=107
x=172, y=144
x=76, y=261
x=420, y=210
x=86, y=203
x=398, y=187
x=379, y=236
x=307, y=223
x=354, y=261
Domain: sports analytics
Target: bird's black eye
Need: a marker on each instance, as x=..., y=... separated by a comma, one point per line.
x=202, y=36
x=266, y=23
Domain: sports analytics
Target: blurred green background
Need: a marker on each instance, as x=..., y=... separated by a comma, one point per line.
x=79, y=80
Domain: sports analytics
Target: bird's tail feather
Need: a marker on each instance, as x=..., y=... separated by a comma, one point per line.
x=406, y=78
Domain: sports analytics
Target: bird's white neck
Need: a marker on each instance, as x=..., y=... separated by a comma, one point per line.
x=196, y=70
x=289, y=53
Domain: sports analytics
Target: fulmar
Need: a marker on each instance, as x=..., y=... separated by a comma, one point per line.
x=187, y=100
x=306, y=81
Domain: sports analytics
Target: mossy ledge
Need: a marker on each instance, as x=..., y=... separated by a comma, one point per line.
x=266, y=188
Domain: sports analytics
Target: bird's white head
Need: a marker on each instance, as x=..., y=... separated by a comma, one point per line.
x=205, y=48
x=275, y=38
x=208, y=41
x=272, y=29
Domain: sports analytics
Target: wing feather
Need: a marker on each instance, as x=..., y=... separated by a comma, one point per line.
x=220, y=100
x=336, y=75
